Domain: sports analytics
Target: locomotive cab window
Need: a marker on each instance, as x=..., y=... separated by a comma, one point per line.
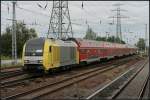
x=34, y=47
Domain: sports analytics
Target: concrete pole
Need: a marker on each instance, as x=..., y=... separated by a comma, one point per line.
x=145, y=39
x=14, y=45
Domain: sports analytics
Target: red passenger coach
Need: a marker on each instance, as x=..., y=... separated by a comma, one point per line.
x=90, y=50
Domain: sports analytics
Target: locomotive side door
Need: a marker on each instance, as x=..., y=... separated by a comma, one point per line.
x=47, y=56
x=53, y=56
x=50, y=56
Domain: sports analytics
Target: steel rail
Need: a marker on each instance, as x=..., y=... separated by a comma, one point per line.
x=24, y=77
x=4, y=75
x=15, y=82
x=141, y=94
x=70, y=80
x=13, y=67
x=127, y=82
x=107, y=85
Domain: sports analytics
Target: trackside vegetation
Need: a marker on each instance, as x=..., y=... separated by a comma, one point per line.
x=23, y=33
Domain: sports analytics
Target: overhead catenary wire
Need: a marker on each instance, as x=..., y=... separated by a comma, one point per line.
x=87, y=21
x=41, y=14
x=78, y=22
x=92, y=11
x=86, y=11
x=73, y=20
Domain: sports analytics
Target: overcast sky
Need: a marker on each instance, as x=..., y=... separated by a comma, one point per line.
x=92, y=11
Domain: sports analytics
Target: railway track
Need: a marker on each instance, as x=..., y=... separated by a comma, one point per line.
x=143, y=89
x=55, y=86
x=113, y=89
x=119, y=91
x=13, y=78
x=12, y=67
x=16, y=80
x=8, y=74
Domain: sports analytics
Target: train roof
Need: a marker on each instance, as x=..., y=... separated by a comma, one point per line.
x=130, y=46
x=56, y=42
x=93, y=43
x=36, y=40
x=74, y=42
x=63, y=43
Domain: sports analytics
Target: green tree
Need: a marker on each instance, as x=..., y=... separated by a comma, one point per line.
x=110, y=39
x=90, y=34
x=118, y=40
x=141, y=44
x=22, y=35
x=101, y=38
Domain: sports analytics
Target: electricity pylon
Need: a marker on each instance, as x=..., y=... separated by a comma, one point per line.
x=60, y=24
x=118, y=17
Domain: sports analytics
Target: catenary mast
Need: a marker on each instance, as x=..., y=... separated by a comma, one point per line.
x=60, y=24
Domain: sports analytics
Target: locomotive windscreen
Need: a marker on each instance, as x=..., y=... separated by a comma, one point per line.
x=34, y=47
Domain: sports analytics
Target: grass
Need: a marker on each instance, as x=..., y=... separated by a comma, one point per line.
x=10, y=65
x=5, y=57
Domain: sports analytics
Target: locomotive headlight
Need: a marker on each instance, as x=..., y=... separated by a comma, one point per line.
x=40, y=61
x=26, y=61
